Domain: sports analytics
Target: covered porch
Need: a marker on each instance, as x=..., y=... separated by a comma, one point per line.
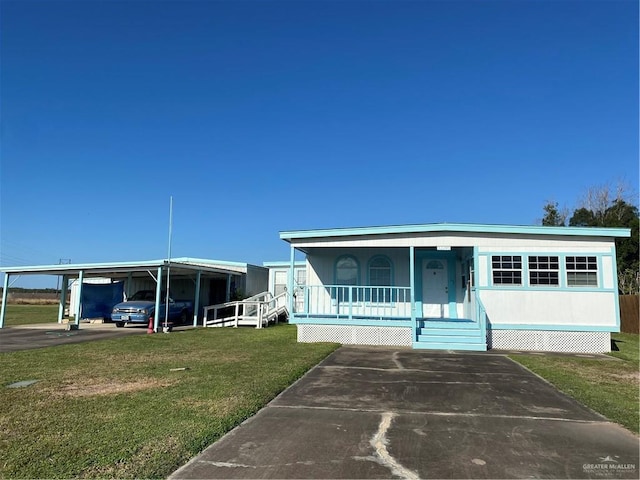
x=426, y=292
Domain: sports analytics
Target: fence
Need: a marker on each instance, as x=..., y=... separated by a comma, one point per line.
x=629, y=313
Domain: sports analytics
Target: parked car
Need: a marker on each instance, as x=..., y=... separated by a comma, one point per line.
x=140, y=308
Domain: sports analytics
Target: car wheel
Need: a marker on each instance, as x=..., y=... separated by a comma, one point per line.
x=119, y=324
x=184, y=317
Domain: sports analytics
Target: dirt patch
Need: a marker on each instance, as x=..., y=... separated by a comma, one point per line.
x=110, y=388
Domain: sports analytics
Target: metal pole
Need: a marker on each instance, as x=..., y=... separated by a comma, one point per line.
x=79, y=300
x=196, y=304
x=166, y=300
x=63, y=298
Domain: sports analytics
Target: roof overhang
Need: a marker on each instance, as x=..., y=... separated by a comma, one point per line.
x=453, y=228
x=123, y=269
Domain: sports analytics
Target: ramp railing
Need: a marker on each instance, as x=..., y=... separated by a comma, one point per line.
x=258, y=311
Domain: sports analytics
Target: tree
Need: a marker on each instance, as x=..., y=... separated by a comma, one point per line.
x=602, y=207
x=553, y=217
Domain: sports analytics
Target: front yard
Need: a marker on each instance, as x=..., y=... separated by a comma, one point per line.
x=139, y=406
x=610, y=387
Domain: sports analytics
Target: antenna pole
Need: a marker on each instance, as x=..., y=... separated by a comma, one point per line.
x=166, y=300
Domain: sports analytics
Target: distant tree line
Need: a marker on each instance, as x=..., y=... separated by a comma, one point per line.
x=603, y=207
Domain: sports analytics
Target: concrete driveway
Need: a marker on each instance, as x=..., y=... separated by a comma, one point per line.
x=368, y=412
x=28, y=337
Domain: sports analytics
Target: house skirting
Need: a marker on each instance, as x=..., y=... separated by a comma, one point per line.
x=525, y=340
x=549, y=341
x=356, y=334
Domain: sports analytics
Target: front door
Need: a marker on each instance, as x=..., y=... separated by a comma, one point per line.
x=435, y=290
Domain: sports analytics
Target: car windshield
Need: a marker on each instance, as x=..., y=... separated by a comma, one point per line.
x=144, y=295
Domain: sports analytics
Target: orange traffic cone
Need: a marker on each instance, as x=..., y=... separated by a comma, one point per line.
x=150, y=326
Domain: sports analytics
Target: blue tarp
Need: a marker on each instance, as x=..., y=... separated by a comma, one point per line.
x=98, y=299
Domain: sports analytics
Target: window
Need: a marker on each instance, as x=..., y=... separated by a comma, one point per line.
x=544, y=270
x=582, y=271
x=507, y=269
x=279, y=282
x=380, y=274
x=347, y=272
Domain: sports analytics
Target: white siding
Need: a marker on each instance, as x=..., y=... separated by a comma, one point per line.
x=528, y=307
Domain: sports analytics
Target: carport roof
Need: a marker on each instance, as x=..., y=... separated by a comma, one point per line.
x=122, y=268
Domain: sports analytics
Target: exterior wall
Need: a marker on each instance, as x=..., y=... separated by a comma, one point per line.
x=257, y=280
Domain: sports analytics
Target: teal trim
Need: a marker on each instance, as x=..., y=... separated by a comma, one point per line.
x=352, y=322
x=450, y=258
x=556, y=328
x=412, y=286
x=519, y=288
x=156, y=312
x=615, y=286
x=459, y=227
x=285, y=264
x=562, y=272
x=290, y=281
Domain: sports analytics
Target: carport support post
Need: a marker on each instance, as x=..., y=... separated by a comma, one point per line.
x=79, y=302
x=63, y=298
x=227, y=295
x=196, y=303
x=156, y=313
x=5, y=290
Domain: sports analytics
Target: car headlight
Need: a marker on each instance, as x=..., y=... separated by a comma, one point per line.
x=142, y=310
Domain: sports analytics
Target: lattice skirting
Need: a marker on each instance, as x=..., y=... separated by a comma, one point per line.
x=549, y=341
x=356, y=335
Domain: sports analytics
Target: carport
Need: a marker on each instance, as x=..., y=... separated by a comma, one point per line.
x=198, y=271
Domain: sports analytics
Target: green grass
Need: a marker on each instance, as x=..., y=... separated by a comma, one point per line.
x=608, y=386
x=29, y=314
x=114, y=408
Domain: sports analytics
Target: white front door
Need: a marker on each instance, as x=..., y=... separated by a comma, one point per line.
x=435, y=291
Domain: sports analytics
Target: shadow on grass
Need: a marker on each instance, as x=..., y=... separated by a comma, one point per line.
x=614, y=345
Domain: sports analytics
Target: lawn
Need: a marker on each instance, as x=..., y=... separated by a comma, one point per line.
x=139, y=406
x=608, y=386
x=28, y=314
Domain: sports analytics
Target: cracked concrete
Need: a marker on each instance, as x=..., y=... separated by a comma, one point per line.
x=371, y=412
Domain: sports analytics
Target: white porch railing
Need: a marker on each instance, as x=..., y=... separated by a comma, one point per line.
x=342, y=301
x=257, y=311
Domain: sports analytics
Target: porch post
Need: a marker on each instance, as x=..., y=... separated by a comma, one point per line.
x=79, y=298
x=3, y=308
x=227, y=295
x=63, y=298
x=412, y=284
x=196, y=303
x=290, y=291
x=156, y=314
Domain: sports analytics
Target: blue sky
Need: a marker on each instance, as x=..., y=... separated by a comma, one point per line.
x=265, y=116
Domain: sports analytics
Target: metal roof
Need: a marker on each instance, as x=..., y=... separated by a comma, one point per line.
x=122, y=268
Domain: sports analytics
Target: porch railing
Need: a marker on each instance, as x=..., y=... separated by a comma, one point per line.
x=481, y=314
x=343, y=301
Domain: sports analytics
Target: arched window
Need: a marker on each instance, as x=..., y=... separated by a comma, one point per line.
x=380, y=274
x=380, y=271
x=347, y=272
